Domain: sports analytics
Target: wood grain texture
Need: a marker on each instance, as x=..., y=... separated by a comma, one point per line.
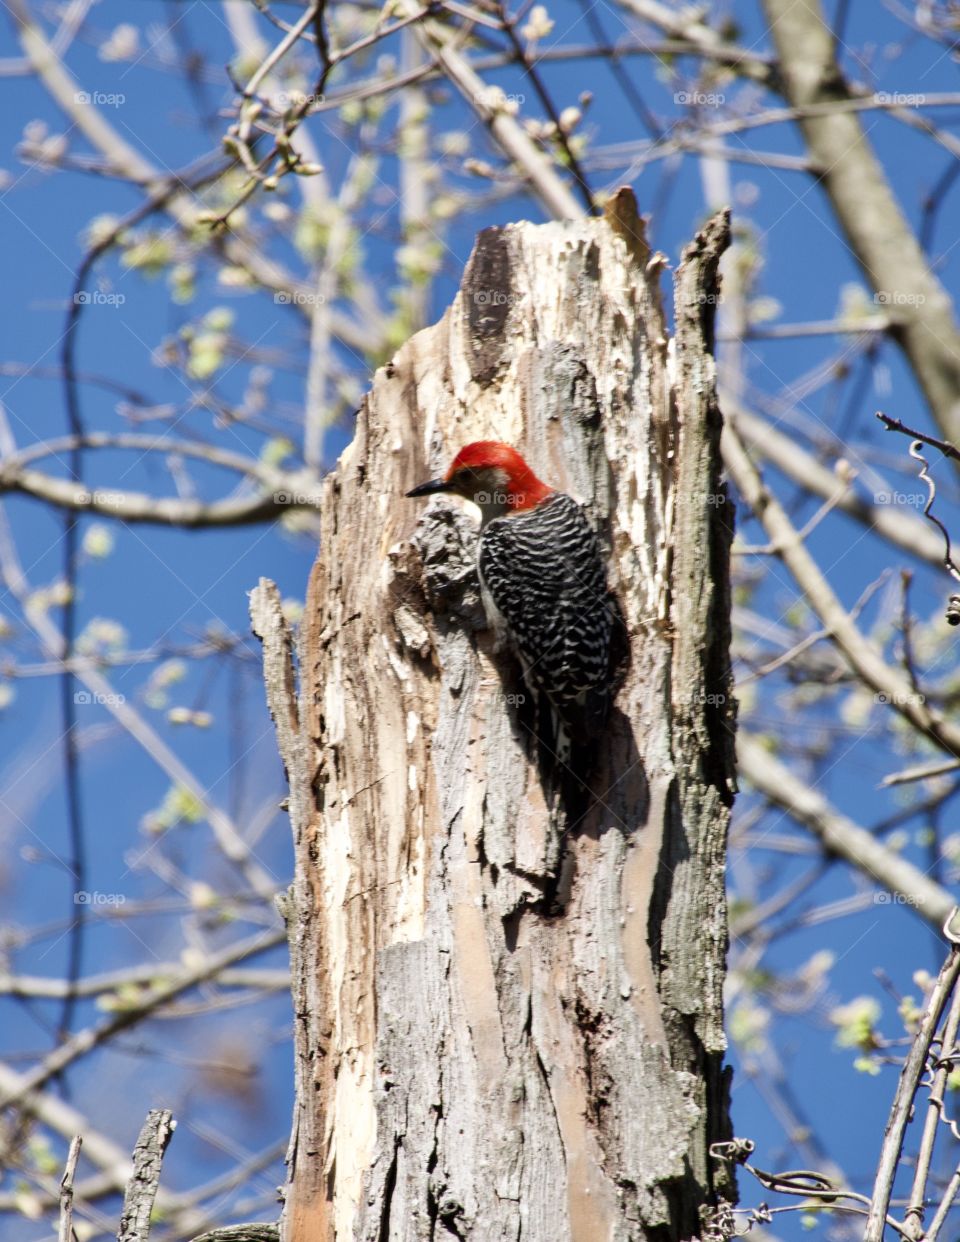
x=509, y=1025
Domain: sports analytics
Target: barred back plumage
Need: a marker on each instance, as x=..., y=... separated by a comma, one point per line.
x=545, y=590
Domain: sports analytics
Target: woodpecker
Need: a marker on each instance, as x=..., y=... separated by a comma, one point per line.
x=543, y=585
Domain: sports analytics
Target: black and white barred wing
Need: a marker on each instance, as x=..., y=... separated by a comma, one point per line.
x=544, y=572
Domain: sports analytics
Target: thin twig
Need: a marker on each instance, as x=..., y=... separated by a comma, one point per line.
x=906, y=629
x=946, y=1203
x=913, y=1217
x=862, y=656
x=924, y=772
x=442, y=43
x=530, y=69
x=278, y=53
x=902, y=530
x=839, y=834
x=906, y=1090
x=152, y=1000
x=66, y=1233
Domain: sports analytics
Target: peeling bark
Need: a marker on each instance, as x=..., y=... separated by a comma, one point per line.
x=509, y=1025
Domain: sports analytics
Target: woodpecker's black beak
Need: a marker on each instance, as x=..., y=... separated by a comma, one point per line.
x=428, y=489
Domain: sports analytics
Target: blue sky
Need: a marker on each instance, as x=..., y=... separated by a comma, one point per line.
x=172, y=587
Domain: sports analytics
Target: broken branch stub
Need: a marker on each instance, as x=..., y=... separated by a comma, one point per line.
x=509, y=1024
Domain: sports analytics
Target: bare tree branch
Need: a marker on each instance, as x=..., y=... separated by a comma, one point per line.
x=916, y=1209
x=136, y=507
x=841, y=835
x=906, y=1090
x=923, y=772
x=133, y=167
x=890, y=686
x=155, y=998
x=687, y=26
x=876, y=229
x=97, y=985
x=144, y=1182
x=550, y=188
x=902, y=530
x=241, y=1233
x=65, y=1232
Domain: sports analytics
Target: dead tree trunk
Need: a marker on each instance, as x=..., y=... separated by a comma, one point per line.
x=507, y=1025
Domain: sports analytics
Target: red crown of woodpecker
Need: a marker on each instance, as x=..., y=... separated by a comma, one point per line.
x=485, y=467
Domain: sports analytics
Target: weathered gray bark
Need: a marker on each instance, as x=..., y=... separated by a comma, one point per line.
x=508, y=1025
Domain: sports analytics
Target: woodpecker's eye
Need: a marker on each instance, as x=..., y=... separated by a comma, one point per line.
x=464, y=479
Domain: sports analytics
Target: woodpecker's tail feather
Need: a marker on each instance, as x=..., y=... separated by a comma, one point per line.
x=585, y=717
x=568, y=748
x=572, y=776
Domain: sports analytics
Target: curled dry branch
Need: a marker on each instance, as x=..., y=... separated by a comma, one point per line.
x=948, y=450
x=814, y=1188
